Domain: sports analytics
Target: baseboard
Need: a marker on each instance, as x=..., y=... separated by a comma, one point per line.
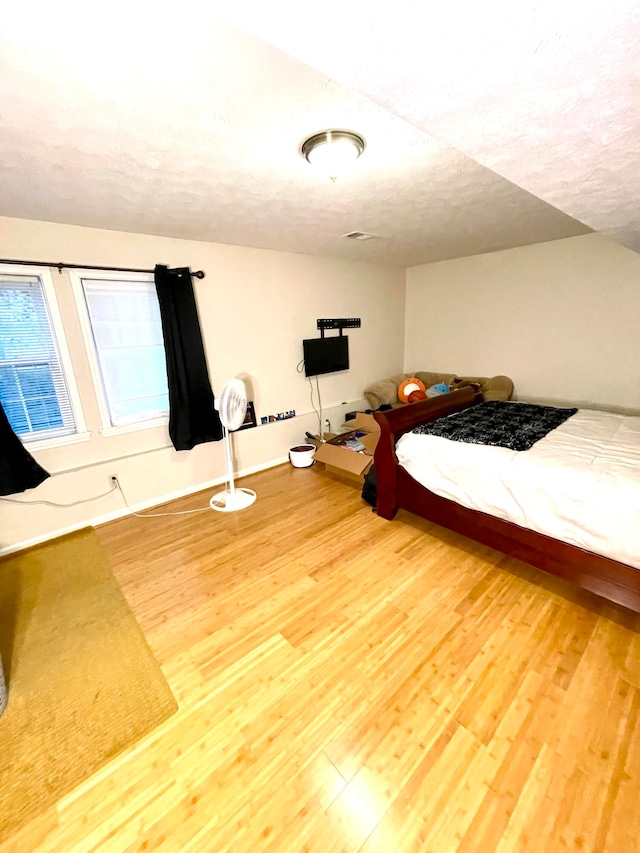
x=139, y=507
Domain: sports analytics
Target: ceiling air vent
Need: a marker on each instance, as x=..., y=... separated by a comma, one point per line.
x=359, y=235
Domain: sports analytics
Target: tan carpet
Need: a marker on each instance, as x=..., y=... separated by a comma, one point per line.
x=83, y=683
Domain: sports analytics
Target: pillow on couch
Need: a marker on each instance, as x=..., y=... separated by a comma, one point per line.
x=411, y=390
x=384, y=392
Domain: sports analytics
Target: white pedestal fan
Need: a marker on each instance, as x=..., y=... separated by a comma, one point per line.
x=232, y=406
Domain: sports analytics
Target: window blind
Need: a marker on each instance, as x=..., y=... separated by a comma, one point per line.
x=33, y=386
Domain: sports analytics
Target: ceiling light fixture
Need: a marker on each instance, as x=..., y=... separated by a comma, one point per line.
x=333, y=151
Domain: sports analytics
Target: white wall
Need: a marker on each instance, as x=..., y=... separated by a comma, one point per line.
x=562, y=319
x=255, y=308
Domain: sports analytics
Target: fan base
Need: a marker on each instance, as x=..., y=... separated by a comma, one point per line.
x=231, y=501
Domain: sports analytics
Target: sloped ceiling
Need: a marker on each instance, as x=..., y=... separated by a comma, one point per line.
x=544, y=93
x=171, y=120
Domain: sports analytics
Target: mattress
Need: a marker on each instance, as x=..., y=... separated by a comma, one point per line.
x=580, y=483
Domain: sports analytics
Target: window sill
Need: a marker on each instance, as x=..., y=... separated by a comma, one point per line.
x=133, y=427
x=48, y=443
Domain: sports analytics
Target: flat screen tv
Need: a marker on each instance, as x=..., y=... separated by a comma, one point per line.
x=325, y=355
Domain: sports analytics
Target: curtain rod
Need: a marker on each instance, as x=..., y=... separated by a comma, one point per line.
x=60, y=266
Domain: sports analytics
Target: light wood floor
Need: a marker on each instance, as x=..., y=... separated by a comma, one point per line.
x=351, y=684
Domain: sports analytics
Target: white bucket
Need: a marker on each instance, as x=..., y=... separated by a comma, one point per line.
x=301, y=456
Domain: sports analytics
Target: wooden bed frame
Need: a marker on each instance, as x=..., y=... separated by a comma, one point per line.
x=610, y=579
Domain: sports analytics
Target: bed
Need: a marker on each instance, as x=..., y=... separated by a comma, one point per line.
x=612, y=571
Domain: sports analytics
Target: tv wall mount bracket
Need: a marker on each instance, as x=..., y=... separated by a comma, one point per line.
x=342, y=323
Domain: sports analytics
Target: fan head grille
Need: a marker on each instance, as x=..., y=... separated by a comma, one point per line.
x=233, y=404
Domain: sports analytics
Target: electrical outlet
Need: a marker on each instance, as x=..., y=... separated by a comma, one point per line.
x=113, y=480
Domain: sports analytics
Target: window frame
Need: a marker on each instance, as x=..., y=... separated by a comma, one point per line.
x=30, y=440
x=76, y=276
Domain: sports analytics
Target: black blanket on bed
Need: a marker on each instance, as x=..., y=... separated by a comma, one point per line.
x=516, y=426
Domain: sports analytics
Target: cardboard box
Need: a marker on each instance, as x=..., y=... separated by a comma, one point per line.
x=345, y=462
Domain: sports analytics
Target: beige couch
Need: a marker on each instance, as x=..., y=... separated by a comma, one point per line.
x=384, y=392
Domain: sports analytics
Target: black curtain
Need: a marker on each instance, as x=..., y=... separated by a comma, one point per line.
x=18, y=469
x=192, y=416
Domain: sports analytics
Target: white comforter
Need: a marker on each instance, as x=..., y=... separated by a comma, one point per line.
x=579, y=484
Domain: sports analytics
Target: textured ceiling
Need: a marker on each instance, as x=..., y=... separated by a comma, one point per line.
x=185, y=126
x=545, y=93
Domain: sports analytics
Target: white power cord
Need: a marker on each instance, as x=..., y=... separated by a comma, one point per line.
x=115, y=487
x=300, y=368
x=155, y=514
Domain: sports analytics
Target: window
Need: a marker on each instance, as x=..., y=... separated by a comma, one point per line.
x=121, y=319
x=37, y=388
